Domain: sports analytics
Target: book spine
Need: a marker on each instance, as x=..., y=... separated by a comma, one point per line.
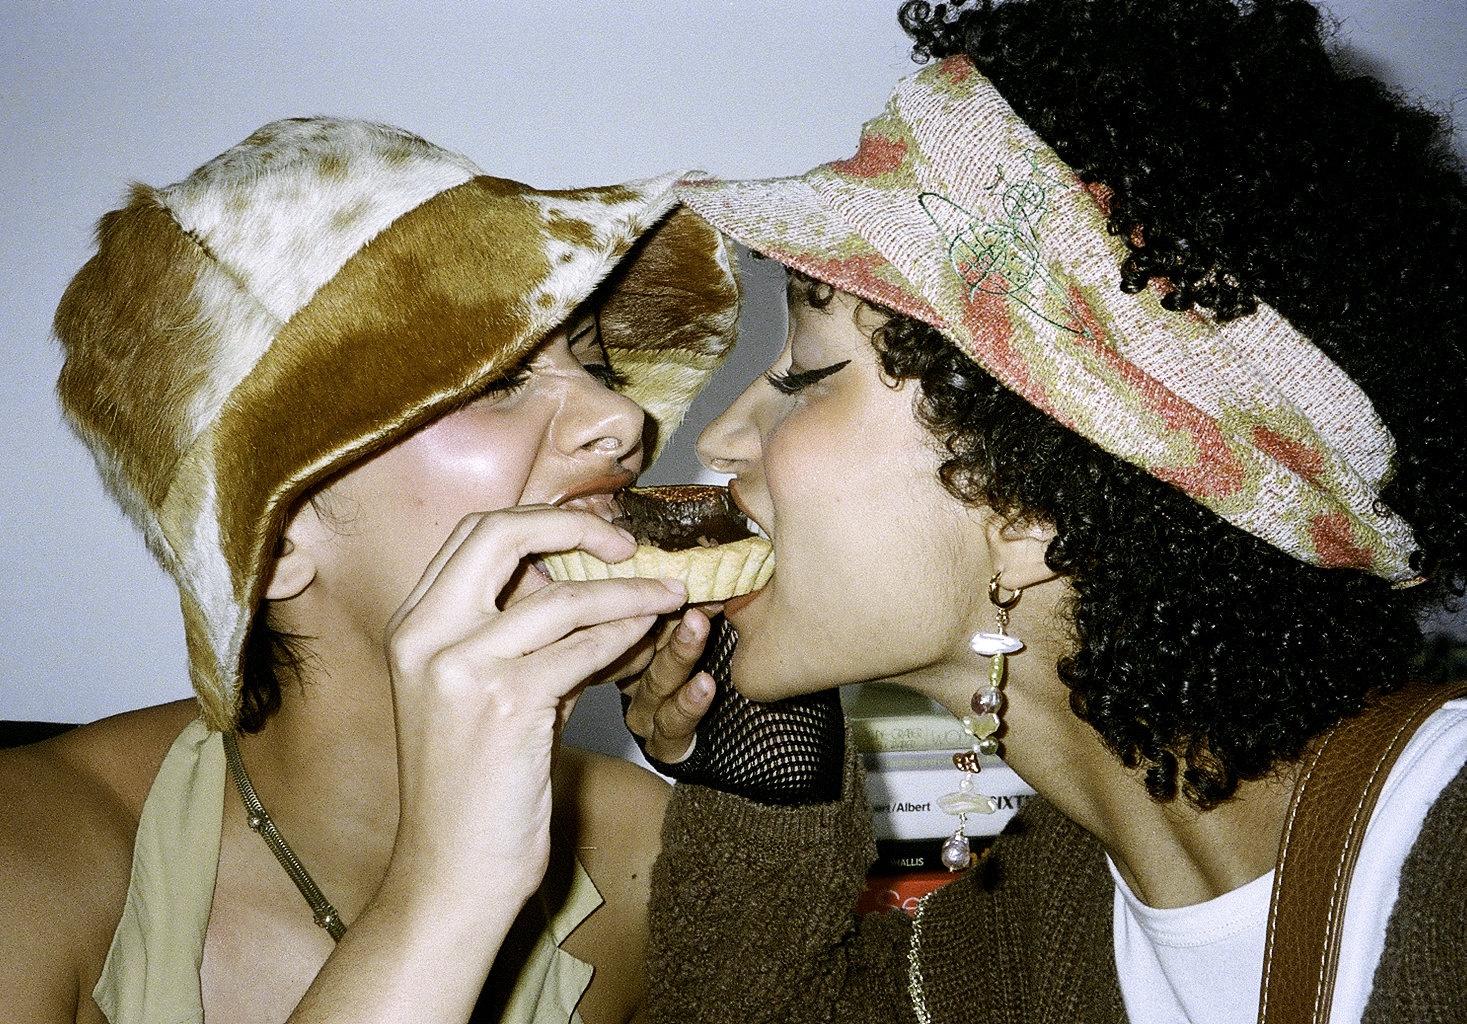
x=933, y=760
x=908, y=732
x=903, y=891
x=904, y=803
x=899, y=856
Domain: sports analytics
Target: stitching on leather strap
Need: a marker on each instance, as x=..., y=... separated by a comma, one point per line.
x=1339, y=890
x=1372, y=740
x=1284, y=844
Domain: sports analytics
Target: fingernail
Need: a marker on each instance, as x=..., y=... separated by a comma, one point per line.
x=626, y=533
x=702, y=685
x=676, y=587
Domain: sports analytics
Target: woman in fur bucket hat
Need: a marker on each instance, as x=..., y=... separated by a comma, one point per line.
x=1121, y=414
x=341, y=380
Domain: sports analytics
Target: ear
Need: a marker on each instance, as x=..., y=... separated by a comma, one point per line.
x=1017, y=550
x=295, y=567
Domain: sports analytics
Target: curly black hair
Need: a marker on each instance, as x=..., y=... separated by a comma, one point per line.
x=1245, y=166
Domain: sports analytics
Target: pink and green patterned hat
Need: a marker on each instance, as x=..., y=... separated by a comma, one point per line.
x=955, y=213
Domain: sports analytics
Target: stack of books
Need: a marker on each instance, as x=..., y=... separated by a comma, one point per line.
x=907, y=742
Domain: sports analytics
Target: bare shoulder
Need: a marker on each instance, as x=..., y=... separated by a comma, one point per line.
x=614, y=810
x=617, y=806
x=68, y=815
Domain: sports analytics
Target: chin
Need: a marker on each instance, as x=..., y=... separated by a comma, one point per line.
x=766, y=679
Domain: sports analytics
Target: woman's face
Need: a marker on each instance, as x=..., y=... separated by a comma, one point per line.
x=553, y=433
x=876, y=565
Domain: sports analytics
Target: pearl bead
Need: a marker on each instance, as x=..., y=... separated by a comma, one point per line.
x=987, y=701
x=988, y=644
x=956, y=853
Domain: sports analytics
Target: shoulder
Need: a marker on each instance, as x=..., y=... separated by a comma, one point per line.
x=1435, y=873
x=615, y=810
x=71, y=803
x=1420, y=967
x=68, y=818
x=611, y=812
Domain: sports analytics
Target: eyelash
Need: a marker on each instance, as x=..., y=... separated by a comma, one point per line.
x=511, y=383
x=791, y=383
x=507, y=384
x=606, y=375
x=601, y=371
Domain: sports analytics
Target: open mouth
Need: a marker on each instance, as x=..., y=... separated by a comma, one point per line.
x=598, y=497
x=754, y=524
x=599, y=504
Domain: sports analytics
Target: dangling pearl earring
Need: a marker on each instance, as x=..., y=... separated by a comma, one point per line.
x=982, y=726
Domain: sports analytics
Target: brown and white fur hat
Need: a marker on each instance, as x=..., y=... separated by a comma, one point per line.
x=322, y=289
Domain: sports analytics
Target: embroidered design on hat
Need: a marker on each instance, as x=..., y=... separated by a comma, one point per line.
x=1000, y=255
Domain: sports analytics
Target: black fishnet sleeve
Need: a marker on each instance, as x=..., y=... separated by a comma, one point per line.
x=786, y=753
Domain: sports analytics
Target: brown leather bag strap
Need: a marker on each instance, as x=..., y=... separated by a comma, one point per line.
x=1338, y=786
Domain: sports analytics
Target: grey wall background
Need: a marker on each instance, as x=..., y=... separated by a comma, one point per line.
x=98, y=94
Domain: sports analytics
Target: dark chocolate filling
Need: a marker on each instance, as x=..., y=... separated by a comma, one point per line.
x=680, y=516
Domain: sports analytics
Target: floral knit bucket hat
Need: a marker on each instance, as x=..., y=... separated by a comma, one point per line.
x=955, y=213
x=322, y=289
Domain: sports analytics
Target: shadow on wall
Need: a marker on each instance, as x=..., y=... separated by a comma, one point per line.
x=1355, y=61
x=761, y=336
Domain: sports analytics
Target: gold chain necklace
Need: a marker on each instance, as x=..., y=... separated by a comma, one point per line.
x=260, y=823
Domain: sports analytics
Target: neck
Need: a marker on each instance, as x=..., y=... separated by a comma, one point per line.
x=325, y=768
x=1170, y=853
x=1182, y=856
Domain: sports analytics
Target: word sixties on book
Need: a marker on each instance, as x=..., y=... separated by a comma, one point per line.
x=904, y=802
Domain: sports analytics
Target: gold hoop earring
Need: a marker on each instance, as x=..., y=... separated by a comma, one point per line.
x=982, y=726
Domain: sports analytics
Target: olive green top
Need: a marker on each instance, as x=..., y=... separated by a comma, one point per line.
x=152, y=971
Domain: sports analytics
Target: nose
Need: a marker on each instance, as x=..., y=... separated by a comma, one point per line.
x=599, y=422
x=731, y=441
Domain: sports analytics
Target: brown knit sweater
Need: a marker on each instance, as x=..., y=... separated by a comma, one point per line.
x=752, y=921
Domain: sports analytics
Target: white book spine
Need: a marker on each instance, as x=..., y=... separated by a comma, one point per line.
x=904, y=802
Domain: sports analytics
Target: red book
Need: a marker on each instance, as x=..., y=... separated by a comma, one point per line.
x=901, y=891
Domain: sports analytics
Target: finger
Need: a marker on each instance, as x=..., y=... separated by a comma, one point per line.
x=485, y=550
x=676, y=719
x=679, y=654
x=472, y=644
x=595, y=649
x=564, y=666
x=562, y=608
x=631, y=664
x=673, y=663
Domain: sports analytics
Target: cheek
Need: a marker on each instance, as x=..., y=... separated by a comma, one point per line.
x=867, y=558
x=474, y=464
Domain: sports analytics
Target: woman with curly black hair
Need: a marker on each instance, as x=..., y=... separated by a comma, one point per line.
x=1121, y=414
